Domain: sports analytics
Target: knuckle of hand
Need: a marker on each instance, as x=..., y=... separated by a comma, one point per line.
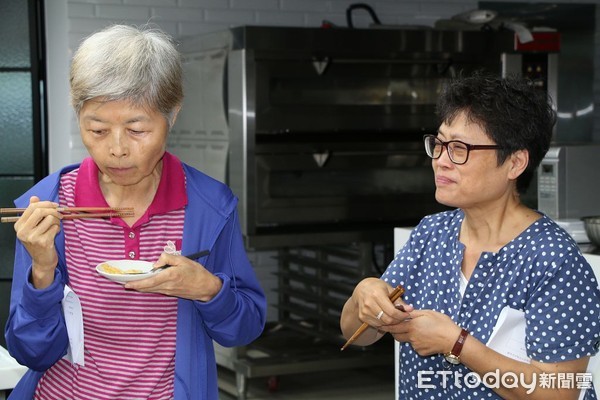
x=28, y=237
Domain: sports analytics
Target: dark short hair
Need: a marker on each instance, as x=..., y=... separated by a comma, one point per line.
x=513, y=112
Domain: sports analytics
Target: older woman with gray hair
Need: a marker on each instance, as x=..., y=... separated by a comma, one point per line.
x=151, y=338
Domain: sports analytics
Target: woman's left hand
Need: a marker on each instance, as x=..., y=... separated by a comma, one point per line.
x=185, y=278
x=428, y=332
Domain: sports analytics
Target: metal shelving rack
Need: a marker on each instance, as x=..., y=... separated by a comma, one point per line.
x=314, y=283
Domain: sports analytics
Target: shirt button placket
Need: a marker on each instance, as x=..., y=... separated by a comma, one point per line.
x=131, y=244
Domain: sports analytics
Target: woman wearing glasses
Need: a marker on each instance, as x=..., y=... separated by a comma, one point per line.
x=491, y=259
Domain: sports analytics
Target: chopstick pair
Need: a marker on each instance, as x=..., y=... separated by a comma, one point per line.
x=193, y=256
x=393, y=296
x=74, y=212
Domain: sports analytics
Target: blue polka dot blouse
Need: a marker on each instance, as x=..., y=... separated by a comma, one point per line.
x=541, y=272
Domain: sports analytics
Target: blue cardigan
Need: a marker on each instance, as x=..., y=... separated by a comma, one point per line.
x=36, y=334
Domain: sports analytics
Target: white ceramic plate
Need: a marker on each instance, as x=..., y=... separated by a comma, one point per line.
x=126, y=265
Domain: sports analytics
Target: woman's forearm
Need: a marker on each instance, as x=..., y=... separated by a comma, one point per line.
x=528, y=385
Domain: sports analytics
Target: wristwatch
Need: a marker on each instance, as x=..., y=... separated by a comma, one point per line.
x=453, y=357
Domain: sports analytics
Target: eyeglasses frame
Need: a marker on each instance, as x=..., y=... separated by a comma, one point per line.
x=467, y=145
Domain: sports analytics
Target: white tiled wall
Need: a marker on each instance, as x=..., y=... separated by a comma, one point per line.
x=71, y=20
x=191, y=17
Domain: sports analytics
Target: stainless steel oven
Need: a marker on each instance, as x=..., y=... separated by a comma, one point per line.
x=321, y=129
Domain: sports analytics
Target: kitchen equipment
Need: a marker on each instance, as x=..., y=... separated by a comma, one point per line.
x=318, y=131
x=477, y=16
x=567, y=188
x=575, y=227
x=592, y=229
x=314, y=284
x=367, y=8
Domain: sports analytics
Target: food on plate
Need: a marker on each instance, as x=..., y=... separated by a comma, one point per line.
x=110, y=269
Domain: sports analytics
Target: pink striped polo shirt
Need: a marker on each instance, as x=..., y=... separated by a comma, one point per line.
x=129, y=336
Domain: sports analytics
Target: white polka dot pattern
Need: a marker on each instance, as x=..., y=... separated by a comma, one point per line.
x=540, y=272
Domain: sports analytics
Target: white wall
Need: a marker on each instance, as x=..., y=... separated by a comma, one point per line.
x=58, y=59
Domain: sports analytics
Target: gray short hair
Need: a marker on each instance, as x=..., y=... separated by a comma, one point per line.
x=141, y=65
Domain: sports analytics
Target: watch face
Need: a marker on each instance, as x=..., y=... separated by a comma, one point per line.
x=452, y=359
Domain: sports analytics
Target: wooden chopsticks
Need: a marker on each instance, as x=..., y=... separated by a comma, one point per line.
x=394, y=295
x=74, y=212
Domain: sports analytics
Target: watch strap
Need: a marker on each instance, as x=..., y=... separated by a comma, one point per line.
x=457, y=349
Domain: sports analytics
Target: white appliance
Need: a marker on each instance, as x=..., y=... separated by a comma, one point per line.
x=569, y=187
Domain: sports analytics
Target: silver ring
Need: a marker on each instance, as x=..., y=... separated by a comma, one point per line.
x=379, y=315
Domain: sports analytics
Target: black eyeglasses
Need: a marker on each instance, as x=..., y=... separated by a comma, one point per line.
x=457, y=151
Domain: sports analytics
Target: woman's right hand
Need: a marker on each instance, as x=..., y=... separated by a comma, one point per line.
x=370, y=303
x=36, y=229
x=372, y=297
